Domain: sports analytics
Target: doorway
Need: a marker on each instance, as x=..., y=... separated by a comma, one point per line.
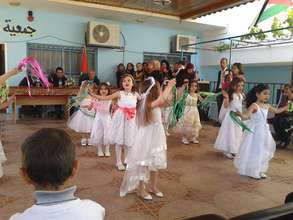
x=2, y=59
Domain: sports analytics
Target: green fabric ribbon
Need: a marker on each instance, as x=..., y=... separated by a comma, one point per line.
x=290, y=107
x=178, y=107
x=210, y=97
x=238, y=121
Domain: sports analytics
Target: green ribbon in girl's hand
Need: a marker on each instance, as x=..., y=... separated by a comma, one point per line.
x=290, y=107
x=236, y=119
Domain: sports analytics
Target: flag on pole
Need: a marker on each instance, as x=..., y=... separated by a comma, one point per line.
x=84, y=63
x=274, y=7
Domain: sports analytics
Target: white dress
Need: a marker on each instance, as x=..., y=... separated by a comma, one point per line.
x=257, y=148
x=230, y=134
x=190, y=121
x=123, y=128
x=2, y=158
x=149, y=153
x=82, y=120
x=101, y=124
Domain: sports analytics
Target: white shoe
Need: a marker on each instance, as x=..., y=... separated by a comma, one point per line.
x=83, y=142
x=158, y=194
x=167, y=133
x=100, y=153
x=194, y=140
x=107, y=154
x=263, y=175
x=229, y=155
x=120, y=167
x=185, y=141
x=147, y=197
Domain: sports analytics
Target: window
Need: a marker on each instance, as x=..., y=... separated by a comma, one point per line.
x=69, y=58
x=170, y=57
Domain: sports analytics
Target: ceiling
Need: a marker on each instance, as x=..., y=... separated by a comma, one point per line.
x=183, y=9
x=115, y=14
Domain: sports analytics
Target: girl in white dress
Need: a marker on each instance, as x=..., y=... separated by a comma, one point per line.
x=230, y=134
x=190, y=122
x=123, y=125
x=148, y=154
x=257, y=148
x=82, y=120
x=99, y=134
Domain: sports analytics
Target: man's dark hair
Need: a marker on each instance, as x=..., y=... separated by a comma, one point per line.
x=48, y=157
x=59, y=68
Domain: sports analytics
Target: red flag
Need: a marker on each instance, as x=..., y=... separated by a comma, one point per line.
x=84, y=66
x=281, y=2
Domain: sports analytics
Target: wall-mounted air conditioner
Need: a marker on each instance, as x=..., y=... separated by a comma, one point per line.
x=103, y=35
x=179, y=40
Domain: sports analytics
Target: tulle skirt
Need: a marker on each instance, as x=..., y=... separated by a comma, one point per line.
x=190, y=122
x=255, y=152
x=149, y=153
x=229, y=136
x=100, y=129
x=81, y=121
x=122, y=130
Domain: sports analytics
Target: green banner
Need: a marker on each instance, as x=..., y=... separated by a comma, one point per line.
x=272, y=11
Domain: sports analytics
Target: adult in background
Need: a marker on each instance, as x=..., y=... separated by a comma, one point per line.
x=119, y=73
x=283, y=121
x=165, y=70
x=154, y=67
x=185, y=74
x=145, y=67
x=90, y=76
x=237, y=71
x=221, y=79
x=58, y=78
x=130, y=69
x=139, y=72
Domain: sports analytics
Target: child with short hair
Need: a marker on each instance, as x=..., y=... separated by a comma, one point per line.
x=49, y=164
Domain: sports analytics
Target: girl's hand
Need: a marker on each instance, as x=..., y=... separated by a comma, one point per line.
x=238, y=113
x=172, y=82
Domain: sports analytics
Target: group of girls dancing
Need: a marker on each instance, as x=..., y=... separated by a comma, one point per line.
x=136, y=123
x=253, y=149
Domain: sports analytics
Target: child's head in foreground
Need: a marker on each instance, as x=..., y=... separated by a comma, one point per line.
x=48, y=159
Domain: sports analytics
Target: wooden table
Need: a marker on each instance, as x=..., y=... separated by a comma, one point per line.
x=41, y=96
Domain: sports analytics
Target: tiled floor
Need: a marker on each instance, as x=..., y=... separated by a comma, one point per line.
x=199, y=180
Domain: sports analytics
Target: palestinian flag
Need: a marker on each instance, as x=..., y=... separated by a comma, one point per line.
x=272, y=8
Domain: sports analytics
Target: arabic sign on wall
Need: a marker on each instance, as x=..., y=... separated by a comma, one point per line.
x=16, y=30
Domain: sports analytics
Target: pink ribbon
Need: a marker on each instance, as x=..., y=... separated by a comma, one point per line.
x=33, y=65
x=130, y=112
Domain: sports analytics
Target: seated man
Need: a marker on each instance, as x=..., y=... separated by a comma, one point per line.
x=91, y=76
x=58, y=79
x=282, y=122
x=49, y=164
